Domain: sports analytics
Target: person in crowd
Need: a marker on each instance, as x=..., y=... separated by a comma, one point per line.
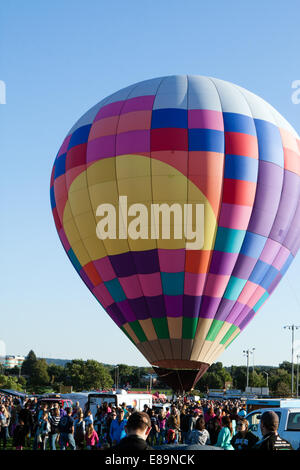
x=79, y=431
x=137, y=429
x=209, y=414
x=89, y=418
x=243, y=439
x=43, y=430
x=19, y=435
x=111, y=417
x=200, y=434
x=117, y=428
x=54, y=419
x=66, y=429
x=271, y=440
x=225, y=435
x=4, y=423
x=184, y=424
x=173, y=422
x=162, y=426
x=153, y=437
x=91, y=437
x=25, y=415
x=171, y=436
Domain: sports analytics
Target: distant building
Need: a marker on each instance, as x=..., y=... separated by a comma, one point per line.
x=13, y=361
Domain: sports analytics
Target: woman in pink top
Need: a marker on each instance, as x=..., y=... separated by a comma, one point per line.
x=91, y=437
x=209, y=414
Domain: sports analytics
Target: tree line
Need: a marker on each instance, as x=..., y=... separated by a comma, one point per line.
x=37, y=376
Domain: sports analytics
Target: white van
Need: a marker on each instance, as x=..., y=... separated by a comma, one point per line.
x=135, y=400
x=289, y=423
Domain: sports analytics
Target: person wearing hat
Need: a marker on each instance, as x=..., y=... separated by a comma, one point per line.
x=271, y=440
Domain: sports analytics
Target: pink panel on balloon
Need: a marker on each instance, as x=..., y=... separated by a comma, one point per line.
x=104, y=147
x=248, y=291
x=216, y=285
x=234, y=216
x=151, y=284
x=270, y=251
x=112, y=109
x=137, y=120
x=102, y=294
x=171, y=261
x=256, y=296
x=194, y=283
x=72, y=174
x=64, y=146
x=64, y=239
x=131, y=286
x=205, y=119
x=138, y=103
x=60, y=190
x=133, y=142
x=281, y=258
x=105, y=269
x=103, y=127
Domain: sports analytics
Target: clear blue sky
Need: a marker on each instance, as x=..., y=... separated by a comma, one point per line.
x=58, y=59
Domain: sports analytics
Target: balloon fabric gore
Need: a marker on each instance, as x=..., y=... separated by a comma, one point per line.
x=172, y=143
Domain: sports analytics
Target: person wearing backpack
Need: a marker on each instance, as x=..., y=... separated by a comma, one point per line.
x=54, y=419
x=66, y=429
x=79, y=434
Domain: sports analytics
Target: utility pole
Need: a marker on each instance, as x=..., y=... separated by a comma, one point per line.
x=293, y=328
x=297, y=375
x=247, y=352
x=264, y=372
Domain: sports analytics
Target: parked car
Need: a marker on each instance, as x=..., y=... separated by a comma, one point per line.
x=289, y=423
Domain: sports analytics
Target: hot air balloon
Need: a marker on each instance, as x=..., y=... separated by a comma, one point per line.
x=180, y=141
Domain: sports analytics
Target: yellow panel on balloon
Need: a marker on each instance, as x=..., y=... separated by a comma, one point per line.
x=103, y=193
x=131, y=166
x=81, y=253
x=169, y=188
x=136, y=189
x=80, y=201
x=101, y=171
x=80, y=182
x=94, y=247
x=86, y=224
x=71, y=231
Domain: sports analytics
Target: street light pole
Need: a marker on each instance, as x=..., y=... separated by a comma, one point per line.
x=297, y=375
x=293, y=328
x=264, y=372
x=247, y=352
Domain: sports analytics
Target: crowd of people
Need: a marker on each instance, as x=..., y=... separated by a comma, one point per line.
x=206, y=422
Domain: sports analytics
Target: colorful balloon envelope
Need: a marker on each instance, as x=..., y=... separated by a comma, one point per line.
x=177, y=201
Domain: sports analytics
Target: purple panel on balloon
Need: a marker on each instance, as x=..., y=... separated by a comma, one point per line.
x=86, y=279
x=267, y=198
x=115, y=314
x=209, y=306
x=244, y=313
x=247, y=320
x=287, y=207
x=140, y=308
x=222, y=263
x=292, y=241
x=224, y=309
x=244, y=266
x=126, y=310
x=191, y=306
x=174, y=305
x=235, y=312
x=274, y=283
x=146, y=261
x=123, y=264
x=156, y=306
